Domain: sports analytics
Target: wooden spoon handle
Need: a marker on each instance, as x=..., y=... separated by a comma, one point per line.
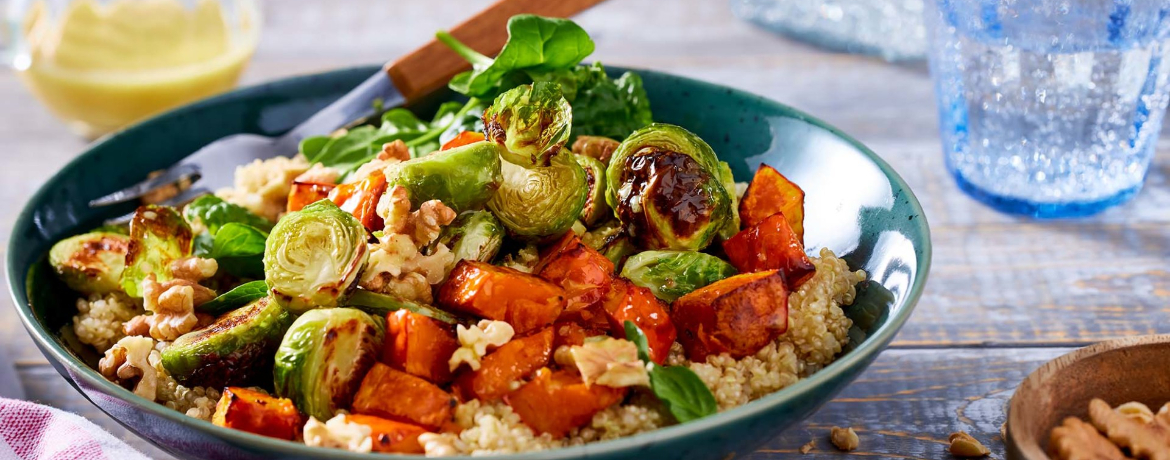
x=431, y=66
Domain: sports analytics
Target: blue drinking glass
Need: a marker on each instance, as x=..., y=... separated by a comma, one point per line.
x=1049, y=108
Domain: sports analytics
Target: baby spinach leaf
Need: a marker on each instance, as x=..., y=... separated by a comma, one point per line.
x=239, y=249
x=683, y=393
x=607, y=107
x=348, y=151
x=213, y=212
x=237, y=297
x=634, y=334
x=311, y=146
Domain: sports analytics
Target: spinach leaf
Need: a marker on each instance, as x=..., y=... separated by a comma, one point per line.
x=237, y=297
x=606, y=107
x=213, y=212
x=346, y=152
x=312, y=146
x=534, y=43
x=634, y=334
x=239, y=249
x=683, y=393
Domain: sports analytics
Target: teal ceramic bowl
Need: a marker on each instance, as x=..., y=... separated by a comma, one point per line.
x=856, y=205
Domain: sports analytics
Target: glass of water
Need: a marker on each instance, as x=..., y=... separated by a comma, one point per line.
x=1050, y=108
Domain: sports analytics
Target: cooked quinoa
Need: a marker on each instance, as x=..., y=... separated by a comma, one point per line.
x=99, y=318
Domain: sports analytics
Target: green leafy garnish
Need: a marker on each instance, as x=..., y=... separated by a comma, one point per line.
x=682, y=391
x=607, y=107
x=237, y=297
x=239, y=249
x=213, y=212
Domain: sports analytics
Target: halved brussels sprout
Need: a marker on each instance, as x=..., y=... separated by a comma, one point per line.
x=728, y=179
x=539, y=202
x=530, y=122
x=234, y=350
x=595, y=206
x=323, y=357
x=313, y=257
x=158, y=236
x=666, y=186
x=610, y=240
x=91, y=263
x=474, y=235
x=673, y=274
x=463, y=178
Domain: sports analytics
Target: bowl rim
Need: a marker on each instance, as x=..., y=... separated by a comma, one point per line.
x=869, y=348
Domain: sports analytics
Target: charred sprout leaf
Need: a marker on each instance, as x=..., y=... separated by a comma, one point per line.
x=237, y=297
x=323, y=357
x=213, y=212
x=239, y=249
x=474, y=235
x=91, y=263
x=462, y=178
x=236, y=349
x=534, y=44
x=530, y=122
x=539, y=202
x=682, y=391
x=595, y=207
x=673, y=274
x=158, y=236
x=314, y=257
x=666, y=186
x=380, y=304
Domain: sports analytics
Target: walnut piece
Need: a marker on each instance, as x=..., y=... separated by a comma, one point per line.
x=474, y=342
x=194, y=268
x=128, y=361
x=173, y=306
x=964, y=445
x=1143, y=440
x=138, y=326
x=808, y=447
x=396, y=150
x=1137, y=411
x=1077, y=440
x=844, y=439
x=610, y=362
x=423, y=226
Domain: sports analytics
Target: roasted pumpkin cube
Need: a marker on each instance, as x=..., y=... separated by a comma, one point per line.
x=419, y=346
x=361, y=199
x=524, y=301
x=557, y=402
x=305, y=193
x=391, y=436
x=737, y=315
x=569, y=333
x=769, y=193
x=464, y=138
x=390, y=393
x=629, y=302
x=255, y=412
x=582, y=272
x=770, y=245
x=513, y=361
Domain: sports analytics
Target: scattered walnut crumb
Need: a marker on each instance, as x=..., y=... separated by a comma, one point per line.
x=808, y=447
x=1143, y=440
x=964, y=445
x=396, y=150
x=845, y=439
x=1137, y=411
x=1077, y=440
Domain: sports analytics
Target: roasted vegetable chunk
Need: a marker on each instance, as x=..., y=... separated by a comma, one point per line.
x=306, y=193
x=236, y=349
x=391, y=436
x=255, y=412
x=313, y=257
x=628, y=302
x=540, y=202
x=738, y=315
x=525, y=301
x=462, y=139
x=91, y=263
x=583, y=273
x=557, y=402
x=769, y=193
x=361, y=199
x=530, y=122
x=474, y=235
x=595, y=206
x=158, y=236
x=419, y=345
x=673, y=274
x=770, y=245
x=513, y=361
x=393, y=394
x=463, y=178
x=322, y=358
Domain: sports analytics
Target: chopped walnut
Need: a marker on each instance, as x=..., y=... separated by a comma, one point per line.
x=1143, y=440
x=808, y=447
x=128, y=361
x=964, y=445
x=137, y=326
x=1163, y=415
x=610, y=362
x=1137, y=411
x=423, y=226
x=392, y=153
x=194, y=268
x=844, y=439
x=396, y=150
x=474, y=342
x=397, y=267
x=1077, y=440
x=319, y=174
x=173, y=304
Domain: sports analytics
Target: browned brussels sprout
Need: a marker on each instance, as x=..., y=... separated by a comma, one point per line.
x=530, y=122
x=595, y=206
x=158, y=236
x=236, y=349
x=91, y=263
x=541, y=201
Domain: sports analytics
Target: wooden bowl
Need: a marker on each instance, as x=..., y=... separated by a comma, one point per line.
x=1117, y=371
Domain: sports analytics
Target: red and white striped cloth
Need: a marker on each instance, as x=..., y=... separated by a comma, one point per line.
x=31, y=431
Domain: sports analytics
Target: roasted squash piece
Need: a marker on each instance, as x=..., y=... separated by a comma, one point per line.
x=419, y=345
x=513, y=361
x=569, y=333
x=361, y=199
x=582, y=272
x=464, y=138
x=769, y=193
x=629, y=302
x=557, y=402
x=391, y=436
x=255, y=412
x=770, y=245
x=390, y=393
x=737, y=315
x=305, y=193
x=525, y=301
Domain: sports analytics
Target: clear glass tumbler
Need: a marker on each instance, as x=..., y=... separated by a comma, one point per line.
x=1050, y=108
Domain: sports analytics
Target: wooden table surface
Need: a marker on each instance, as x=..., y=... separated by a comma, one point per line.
x=1005, y=294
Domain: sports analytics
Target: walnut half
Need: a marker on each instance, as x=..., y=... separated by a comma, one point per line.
x=128, y=362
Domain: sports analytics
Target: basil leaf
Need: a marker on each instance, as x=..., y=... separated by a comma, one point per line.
x=213, y=212
x=237, y=297
x=683, y=393
x=634, y=334
x=239, y=249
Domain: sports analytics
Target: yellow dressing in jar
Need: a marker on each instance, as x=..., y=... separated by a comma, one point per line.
x=103, y=66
